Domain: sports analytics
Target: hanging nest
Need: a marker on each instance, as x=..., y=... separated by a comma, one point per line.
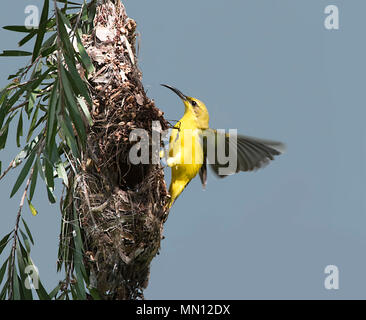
x=120, y=206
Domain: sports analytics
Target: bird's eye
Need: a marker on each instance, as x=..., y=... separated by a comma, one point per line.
x=194, y=103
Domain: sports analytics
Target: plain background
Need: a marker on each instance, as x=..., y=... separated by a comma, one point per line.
x=271, y=70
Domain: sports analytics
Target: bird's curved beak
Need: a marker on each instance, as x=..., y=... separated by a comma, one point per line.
x=175, y=90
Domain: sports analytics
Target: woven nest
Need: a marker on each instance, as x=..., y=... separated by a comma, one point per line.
x=120, y=205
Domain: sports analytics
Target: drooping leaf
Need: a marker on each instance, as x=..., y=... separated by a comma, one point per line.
x=47, y=51
x=15, y=53
x=41, y=30
x=61, y=172
x=33, y=180
x=31, y=101
x=16, y=291
x=73, y=107
x=54, y=292
x=33, y=122
x=48, y=166
x=4, y=131
x=42, y=293
x=19, y=128
x=53, y=102
x=85, y=59
x=27, y=38
x=74, y=77
x=23, y=173
x=4, y=241
x=3, y=269
x=62, y=22
x=32, y=208
x=18, y=28
x=85, y=109
x=28, y=231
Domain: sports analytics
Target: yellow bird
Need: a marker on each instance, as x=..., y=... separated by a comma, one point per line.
x=193, y=145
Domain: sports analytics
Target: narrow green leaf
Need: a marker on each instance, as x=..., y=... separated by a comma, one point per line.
x=4, y=128
x=61, y=172
x=25, y=253
x=33, y=181
x=3, y=269
x=85, y=59
x=40, y=169
x=67, y=132
x=48, y=166
x=47, y=51
x=41, y=30
x=51, y=197
x=4, y=242
x=15, y=53
x=73, y=107
x=4, y=109
x=16, y=291
x=50, y=41
x=84, y=13
x=75, y=78
x=23, y=173
x=54, y=292
x=18, y=28
x=33, y=122
x=4, y=290
x=31, y=101
x=30, y=86
x=21, y=252
x=20, y=128
x=85, y=109
x=62, y=22
x=53, y=101
x=49, y=24
x=4, y=132
x=28, y=37
x=28, y=231
x=42, y=293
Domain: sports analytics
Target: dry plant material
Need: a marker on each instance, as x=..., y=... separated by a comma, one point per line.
x=120, y=206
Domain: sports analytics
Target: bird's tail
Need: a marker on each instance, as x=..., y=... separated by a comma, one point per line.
x=175, y=189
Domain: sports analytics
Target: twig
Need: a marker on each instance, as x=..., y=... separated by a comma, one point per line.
x=18, y=106
x=15, y=236
x=7, y=169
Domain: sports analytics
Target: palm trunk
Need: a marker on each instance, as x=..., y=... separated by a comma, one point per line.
x=120, y=206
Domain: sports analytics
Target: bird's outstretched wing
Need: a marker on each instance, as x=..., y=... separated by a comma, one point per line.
x=250, y=153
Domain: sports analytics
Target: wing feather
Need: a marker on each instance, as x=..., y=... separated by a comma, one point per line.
x=251, y=153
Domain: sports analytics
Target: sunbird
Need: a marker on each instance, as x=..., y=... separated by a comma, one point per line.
x=192, y=139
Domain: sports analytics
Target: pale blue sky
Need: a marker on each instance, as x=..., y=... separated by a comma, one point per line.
x=271, y=70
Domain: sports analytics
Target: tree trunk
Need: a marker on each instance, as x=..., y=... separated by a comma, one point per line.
x=120, y=206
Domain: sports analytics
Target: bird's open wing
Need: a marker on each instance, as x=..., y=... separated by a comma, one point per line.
x=249, y=153
x=203, y=173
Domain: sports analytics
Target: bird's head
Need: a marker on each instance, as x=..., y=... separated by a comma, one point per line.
x=194, y=107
